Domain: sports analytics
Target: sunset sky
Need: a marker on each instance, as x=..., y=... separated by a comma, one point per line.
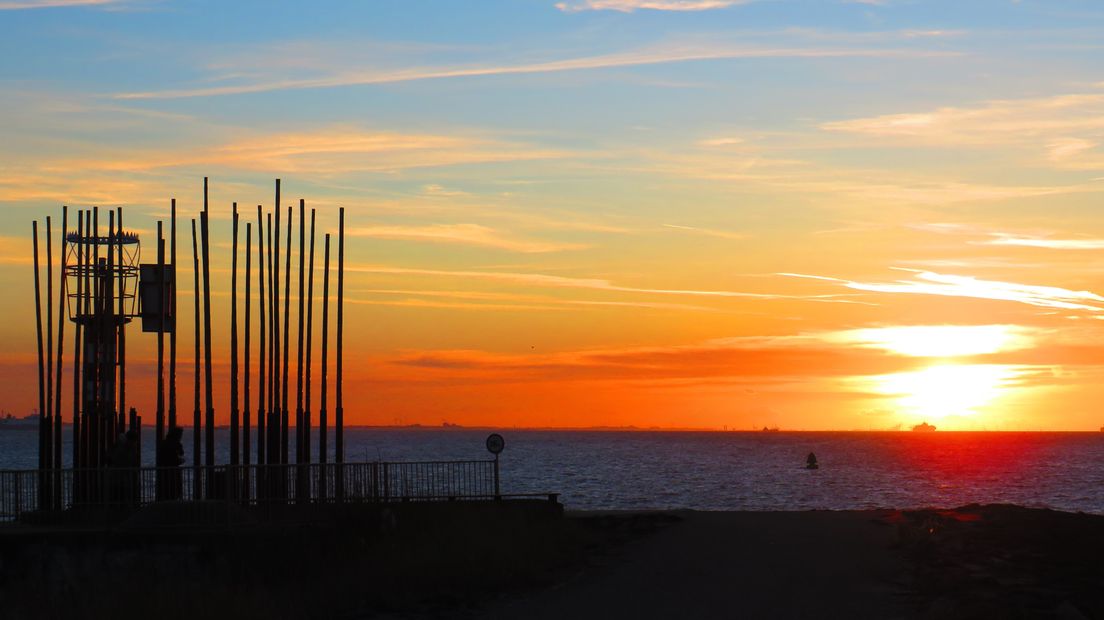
x=810, y=214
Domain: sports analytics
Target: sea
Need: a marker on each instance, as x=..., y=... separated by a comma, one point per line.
x=635, y=470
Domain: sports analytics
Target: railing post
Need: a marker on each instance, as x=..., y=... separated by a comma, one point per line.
x=498, y=492
x=18, y=495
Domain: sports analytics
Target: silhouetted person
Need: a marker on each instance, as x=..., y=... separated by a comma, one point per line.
x=811, y=461
x=169, y=458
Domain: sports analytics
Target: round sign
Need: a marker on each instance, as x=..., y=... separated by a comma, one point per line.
x=495, y=443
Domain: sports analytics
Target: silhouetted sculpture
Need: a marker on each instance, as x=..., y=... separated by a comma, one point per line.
x=811, y=462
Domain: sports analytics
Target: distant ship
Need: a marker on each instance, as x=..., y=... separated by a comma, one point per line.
x=773, y=429
x=923, y=427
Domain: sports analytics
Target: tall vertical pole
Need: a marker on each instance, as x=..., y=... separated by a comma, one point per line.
x=121, y=329
x=60, y=342
x=274, y=425
x=274, y=342
x=172, y=314
x=107, y=383
x=159, y=432
x=300, y=429
x=310, y=334
x=339, y=410
x=234, y=421
x=41, y=362
x=95, y=429
x=197, y=425
x=88, y=374
x=248, y=299
x=208, y=379
x=287, y=332
x=77, y=330
x=323, y=449
x=262, y=360
x=48, y=414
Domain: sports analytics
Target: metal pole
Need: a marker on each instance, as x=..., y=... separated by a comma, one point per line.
x=273, y=341
x=173, y=323
x=208, y=379
x=287, y=332
x=197, y=425
x=274, y=429
x=159, y=431
x=48, y=414
x=41, y=362
x=310, y=334
x=248, y=277
x=77, y=329
x=60, y=342
x=300, y=430
x=339, y=410
x=86, y=319
x=323, y=449
x=234, y=422
x=262, y=360
x=121, y=329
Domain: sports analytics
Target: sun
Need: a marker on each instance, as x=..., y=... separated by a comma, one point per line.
x=944, y=390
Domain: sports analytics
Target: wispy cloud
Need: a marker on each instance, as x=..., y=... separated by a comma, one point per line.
x=729, y=359
x=931, y=283
x=708, y=232
x=647, y=56
x=325, y=151
x=50, y=4
x=1063, y=127
x=476, y=299
x=547, y=280
x=464, y=234
x=1043, y=242
x=938, y=340
x=628, y=6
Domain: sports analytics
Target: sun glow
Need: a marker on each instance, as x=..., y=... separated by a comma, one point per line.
x=947, y=390
x=942, y=340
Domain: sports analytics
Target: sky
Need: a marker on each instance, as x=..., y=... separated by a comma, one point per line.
x=804, y=214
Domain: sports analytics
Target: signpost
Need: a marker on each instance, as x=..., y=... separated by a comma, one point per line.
x=495, y=445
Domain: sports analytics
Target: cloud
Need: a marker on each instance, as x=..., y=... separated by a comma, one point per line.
x=546, y=280
x=938, y=340
x=647, y=56
x=465, y=234
x=628, y=6
x=708, y=232
x=51, y=4
x=477, y=299
x=325, y=151
x=729, y=360
x=1043, y=242
x=931, y=283
x=1062, y=126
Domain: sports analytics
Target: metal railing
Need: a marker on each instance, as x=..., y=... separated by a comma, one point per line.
x=121, y=490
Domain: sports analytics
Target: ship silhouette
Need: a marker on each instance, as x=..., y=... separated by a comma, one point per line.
x=923, y=427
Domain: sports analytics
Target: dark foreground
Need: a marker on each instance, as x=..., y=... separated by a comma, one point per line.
x=527, y=561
